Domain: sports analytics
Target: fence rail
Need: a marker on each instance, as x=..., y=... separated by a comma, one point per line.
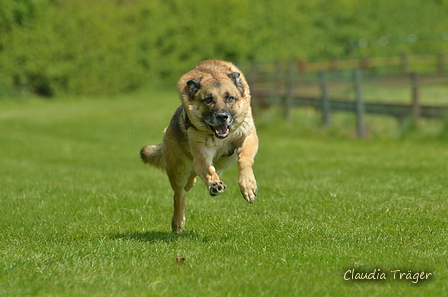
x=399, y=111
x=275, y=83
x=405, y=63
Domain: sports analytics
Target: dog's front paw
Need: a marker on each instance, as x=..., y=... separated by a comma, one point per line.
x=248, y=187
x=217, y=187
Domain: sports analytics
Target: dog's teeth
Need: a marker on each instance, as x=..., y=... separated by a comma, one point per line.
x=221, y=129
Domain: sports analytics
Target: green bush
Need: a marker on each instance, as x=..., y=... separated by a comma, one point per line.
x=52, y=47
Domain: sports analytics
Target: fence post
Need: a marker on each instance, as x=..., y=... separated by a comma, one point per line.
x=279, y=77
x=289, y=90
x=360, y=108
x=323, y=74
x=415, y=78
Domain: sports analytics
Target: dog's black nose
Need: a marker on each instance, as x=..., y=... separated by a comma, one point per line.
x=222, y=116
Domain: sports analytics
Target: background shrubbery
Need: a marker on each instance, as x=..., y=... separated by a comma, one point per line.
x=52, y=47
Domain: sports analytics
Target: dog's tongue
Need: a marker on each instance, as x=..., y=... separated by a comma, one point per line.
x=221, y=130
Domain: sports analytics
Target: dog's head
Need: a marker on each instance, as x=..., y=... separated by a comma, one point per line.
x=216, y=102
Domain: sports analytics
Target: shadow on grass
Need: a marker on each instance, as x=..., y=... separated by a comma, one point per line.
x=155, y=236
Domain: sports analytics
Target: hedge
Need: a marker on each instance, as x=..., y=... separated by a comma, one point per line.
x=53, y=47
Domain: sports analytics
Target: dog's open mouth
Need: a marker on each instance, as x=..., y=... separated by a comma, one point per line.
x=221, y=131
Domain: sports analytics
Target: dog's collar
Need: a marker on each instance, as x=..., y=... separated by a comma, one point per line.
x=187, y=122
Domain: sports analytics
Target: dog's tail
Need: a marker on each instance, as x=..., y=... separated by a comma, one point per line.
x=153, y=155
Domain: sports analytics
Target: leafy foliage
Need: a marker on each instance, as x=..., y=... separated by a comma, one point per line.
x=51, y=47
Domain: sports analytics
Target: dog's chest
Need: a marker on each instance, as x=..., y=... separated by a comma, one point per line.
x=222, y=147
x=225, y=151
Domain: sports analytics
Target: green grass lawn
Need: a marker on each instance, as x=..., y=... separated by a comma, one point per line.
x=82, y=216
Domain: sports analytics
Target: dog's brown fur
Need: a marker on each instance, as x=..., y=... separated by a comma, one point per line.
x=210, y=130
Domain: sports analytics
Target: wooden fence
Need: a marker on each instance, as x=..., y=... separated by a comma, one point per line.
x=274, y=84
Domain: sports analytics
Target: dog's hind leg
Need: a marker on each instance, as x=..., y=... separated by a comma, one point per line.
x=178, y=221
x=178, y=179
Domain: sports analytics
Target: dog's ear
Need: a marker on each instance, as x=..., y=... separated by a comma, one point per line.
x=235, y=77
x=194, y=85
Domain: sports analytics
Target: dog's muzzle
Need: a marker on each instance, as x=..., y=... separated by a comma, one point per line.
x=220, y=123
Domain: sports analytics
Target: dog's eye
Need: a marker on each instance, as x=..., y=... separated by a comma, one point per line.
x=208, y=100
x=231, y=99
